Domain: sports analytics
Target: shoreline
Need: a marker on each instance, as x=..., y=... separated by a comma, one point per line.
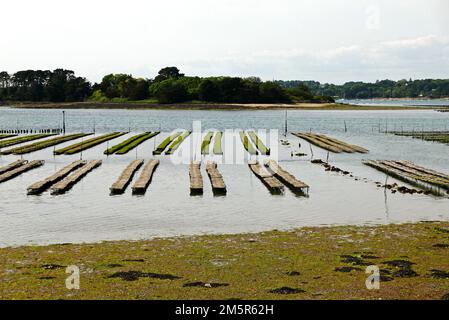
x=306, y=263
x=206, y=106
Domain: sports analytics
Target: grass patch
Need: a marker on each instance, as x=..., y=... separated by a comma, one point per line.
x=307, y=263
x=175, y=145
x=44, y=144
x=205, y=146
x=218, y=150
x=259, y=144
x=23, y=139
x=164, y=144
x=90, y=143
x=247, y=144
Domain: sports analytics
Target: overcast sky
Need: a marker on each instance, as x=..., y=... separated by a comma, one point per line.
x=325, y=40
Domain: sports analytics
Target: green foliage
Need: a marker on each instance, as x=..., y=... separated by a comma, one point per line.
x=124, y=87
x=168, y=73
x=161, y=147
x=175, y=145
x=259, y=144
x=221, y=89
x=23, y=139
x=44, y=144
x=4, y=136
x=217, y=143
x=208, y=90
x=87, y=144
x=247, y=144
x=131, y=143
x=206, y=143
x=43, y=85
x=301, y=92
x=171, y=86
x=271, y=92
x=119, y=146
x=98, y=96
x=169, y=91
x=136, y=143
x=432, y=88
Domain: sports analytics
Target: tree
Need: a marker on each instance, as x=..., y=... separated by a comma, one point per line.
x=272, y=92
x=169, y=91
x=138, y=89
x=209, y=91
x=77, y=89
x=301, y=92
x=123, y=86
x=230, y=89
x=4, y=79
x=57, y=84
x=168, y=73
x=115, y=85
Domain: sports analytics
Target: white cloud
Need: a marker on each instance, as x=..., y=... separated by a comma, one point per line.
x=326, y=40
x=420, y=57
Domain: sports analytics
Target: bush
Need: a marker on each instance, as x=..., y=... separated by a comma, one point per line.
x=98, y=96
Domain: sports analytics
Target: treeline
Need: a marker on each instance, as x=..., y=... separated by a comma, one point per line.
x=171, y=86
x=43, y=85
x=427, y=88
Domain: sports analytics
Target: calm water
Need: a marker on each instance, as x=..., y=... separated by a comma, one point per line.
x=397, y=102
x=87, y=213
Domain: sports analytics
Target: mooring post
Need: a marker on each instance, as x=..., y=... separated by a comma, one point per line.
x=286, y=124
x=63, y=122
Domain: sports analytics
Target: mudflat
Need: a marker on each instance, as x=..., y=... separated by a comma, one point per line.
x=308, y=263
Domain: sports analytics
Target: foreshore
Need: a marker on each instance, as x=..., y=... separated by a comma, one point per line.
x=205, y=106
x=308, y=263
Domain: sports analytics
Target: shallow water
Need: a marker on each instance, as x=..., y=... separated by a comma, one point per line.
x=88, y=213
x=397, y=102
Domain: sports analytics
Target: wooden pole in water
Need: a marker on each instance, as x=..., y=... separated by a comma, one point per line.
x=63, y=122
x=311, y=151
x=286, y=124
x=81, y=153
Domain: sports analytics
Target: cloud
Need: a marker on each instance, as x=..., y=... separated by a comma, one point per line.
x=421, y=57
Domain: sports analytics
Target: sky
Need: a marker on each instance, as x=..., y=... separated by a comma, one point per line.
x=331, y=41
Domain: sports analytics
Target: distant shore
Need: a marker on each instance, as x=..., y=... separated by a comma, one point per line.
x=205, y=106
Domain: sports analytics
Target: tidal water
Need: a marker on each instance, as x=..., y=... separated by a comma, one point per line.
x=397, y=102
x=87, y=213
